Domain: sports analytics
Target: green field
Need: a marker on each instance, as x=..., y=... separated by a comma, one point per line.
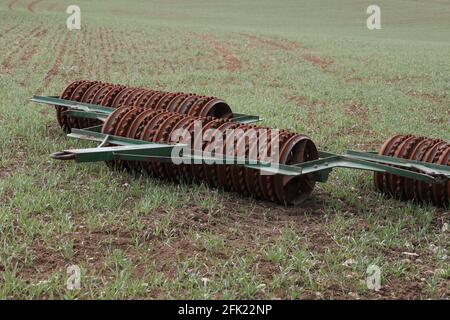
x=309, y=66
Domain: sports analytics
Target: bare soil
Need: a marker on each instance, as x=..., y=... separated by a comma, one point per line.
x=232, y=62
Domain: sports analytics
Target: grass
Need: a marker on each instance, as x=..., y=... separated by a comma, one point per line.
x=312, y=67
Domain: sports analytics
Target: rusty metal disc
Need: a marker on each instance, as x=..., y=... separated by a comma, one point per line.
x=122, y=96
x=135, y=131
x=77, y=95
x=425, y=189
x=224, y=171
x=211, y=171
x=164, y=102
x=404, y=151
x=266, y=182
x=121, y=129
x=149, y=133
x=138, y=125
x=198, y=170
x=142, y=99
x=181, y=172
x=109, y=97
x=186, y=105
x=170, y=169
x=124, y=124
x=87, y=98
x=242, y=148
x=410, y=185
x=112, y=121
x=216, y=108
x=176, y=101
x=154, y=99
x=257, y=152
x=66, y=94
x=162, y=136
x=97, y=99
x=196, y=107
x=441, y=191
x=295, y=189
x=133, y=96
x=110, y=126
x=388, y=149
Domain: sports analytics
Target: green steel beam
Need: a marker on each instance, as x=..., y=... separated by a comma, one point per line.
x=429, y=168
x=85, y=134
x=87, y=115
x=93, y=111
x=138, y=150
x=73, y=105
x=110, y=153
x=245, y=118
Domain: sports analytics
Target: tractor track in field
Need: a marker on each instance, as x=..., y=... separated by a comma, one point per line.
x=75, y=64
x=21, y=44
x=81, y=54
x=90, y=65
x=92, y=44
x=265, y=42
x=57, y=64
x=116, y=44
x=232, y=62
x=28, y=54
x=105, y=53
x=11, y=4
x=7, y=171
x=30, y=6
x=115, y=47
x=6, y=31
x=77, y=56
x=109, y=46
x=53, y=46
x=321, y=63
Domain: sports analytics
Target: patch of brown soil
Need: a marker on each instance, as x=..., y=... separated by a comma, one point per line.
x=28, y=55
x=105, y=53
x=84, y=51
x=31, y=5
x=7, y=171
x=232, y=63
x=272, y=43
x=357, y=80
x=9, y=30
x=21, y=43
x=56, y=66
x=358, y=111
x=11, y=3
x=398, y=79
x=76, y=63
x=18, y=161
x=248, y=231
x=360, y=129
x=430, y=97
x=317, y=61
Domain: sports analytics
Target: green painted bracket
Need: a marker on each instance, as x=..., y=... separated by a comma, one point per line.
x=93, y=111
x=429, y=168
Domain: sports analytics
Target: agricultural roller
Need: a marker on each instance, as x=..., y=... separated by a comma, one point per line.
x=113, y=96
x=136, y=127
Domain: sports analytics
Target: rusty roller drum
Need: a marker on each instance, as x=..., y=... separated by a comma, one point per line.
x=421, y=149
x=158, y=126
x=115, y=96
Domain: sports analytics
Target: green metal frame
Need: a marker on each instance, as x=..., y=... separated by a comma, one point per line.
x=138, y=150
x=93, y=111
